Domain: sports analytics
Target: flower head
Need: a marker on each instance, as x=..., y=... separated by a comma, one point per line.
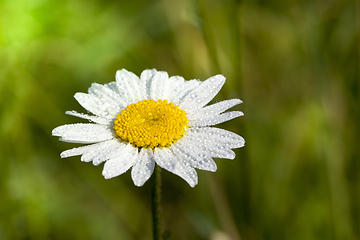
x=137, y=122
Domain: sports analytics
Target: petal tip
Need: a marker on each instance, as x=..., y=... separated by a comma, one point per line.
x=214, y=169
x=78, y=95
x=138, y=183
x=106, y=176
x=55, y=132
x=193, y=184
x=219, y=77
x=238, y=101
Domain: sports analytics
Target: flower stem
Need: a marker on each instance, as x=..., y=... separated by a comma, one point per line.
x=156, y=208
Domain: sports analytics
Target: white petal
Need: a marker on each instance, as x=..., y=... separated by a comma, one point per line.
x=95, y=119
x=192, y=154
x=129, y=86
x=144, y=167
x=214, y=109
x=95, y=105
x=114, y=87
x=188, y=87
x=167, y=160
x=203, y=94
x=211, y=146
x=215, y=119
x=227, y=138
x=160, y=88
x=173, y=89
x=120, y=164
x=83, y=133
x=106, y=94
x=111, y=149
x=179, y=88
x=177, y=84
x=218, y=151
x=82, y=150
x=145, y=81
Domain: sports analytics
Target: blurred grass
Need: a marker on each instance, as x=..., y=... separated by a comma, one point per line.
x=294, y=64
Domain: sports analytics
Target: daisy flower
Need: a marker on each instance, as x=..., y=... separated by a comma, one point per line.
x=137, y=122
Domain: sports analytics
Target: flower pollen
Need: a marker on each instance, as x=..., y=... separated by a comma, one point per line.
x=149, y=123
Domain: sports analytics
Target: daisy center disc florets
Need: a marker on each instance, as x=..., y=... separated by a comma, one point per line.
x=151, y=123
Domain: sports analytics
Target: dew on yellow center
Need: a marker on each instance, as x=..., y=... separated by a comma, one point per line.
x=151, y=123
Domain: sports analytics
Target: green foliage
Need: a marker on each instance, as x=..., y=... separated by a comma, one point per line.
x=294, y=64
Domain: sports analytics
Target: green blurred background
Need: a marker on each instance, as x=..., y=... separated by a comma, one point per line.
x=295, y=64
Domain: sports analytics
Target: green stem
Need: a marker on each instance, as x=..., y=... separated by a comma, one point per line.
x=156, y=208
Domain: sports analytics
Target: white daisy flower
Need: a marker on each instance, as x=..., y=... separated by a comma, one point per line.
x=138, y=122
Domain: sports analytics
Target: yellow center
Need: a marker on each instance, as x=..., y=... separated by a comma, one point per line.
x=151, y=123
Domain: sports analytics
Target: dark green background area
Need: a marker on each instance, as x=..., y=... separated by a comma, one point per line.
x=295, y=64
